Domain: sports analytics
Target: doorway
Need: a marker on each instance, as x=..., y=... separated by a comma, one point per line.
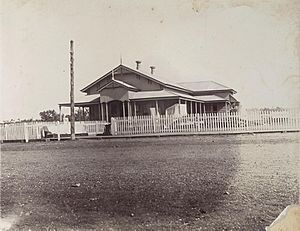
x=115, y=109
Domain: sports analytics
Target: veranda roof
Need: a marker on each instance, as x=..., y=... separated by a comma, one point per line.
x=83, y=100
x=211, y=98
x=163, y=94
x=233, y=100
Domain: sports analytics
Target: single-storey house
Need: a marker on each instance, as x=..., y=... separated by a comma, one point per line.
x=124, y=92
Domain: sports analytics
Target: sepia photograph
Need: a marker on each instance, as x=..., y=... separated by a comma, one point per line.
x=150, y=115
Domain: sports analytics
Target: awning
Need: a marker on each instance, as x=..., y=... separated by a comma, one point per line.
x=80, y=102
x=163, y=94
x=211, y=98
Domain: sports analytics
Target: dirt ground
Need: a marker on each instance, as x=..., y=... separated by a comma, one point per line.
x=235, y=182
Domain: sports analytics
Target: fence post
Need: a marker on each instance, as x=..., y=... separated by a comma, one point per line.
x=154, y=123
x=26, y=133
x=37, y=131
x=113, y=126
x=58, y=130
x=247, y=120
x=5, y=130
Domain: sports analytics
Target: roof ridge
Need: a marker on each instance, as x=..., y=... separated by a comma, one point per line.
x=199, y=81
x=212, y=81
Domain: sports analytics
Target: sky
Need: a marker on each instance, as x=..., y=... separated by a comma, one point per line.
x=252, y=46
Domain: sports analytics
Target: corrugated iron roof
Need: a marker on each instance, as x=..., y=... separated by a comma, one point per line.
x=160, y=79
x=187, y=87
x=204, y=86
x=159, y=94
x=83, y=100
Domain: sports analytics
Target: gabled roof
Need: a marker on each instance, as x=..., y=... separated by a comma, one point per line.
x=232, y=99
x=162, y=94
x=185, y=87
x=205, y=86
x=98, y=80
x=159, y=80
x=120, y=83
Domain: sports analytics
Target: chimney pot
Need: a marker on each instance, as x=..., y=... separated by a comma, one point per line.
x=138, y=64
x=152, y=69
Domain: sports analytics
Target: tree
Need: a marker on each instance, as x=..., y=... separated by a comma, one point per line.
x=80, y=115
x=49, y=115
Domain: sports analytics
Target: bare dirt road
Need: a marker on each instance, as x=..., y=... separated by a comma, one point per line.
x=236, y=182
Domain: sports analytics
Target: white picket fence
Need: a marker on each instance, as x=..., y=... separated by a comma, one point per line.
x=34, y=130
x=249, y=121
x=216, y=123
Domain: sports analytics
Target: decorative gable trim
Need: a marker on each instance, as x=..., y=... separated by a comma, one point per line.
x=125, y=85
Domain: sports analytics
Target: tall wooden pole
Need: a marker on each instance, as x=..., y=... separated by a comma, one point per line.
x=72, y=91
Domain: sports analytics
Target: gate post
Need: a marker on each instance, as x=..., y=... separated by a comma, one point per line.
x=58, y=130
x=26, y=133
x=247, y=121
x=5, y=130
x=113, y=126
x=37, y=131
x=154, y=123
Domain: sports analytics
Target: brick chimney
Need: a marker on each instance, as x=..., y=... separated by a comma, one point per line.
x=152, y=69
x=138, y=64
